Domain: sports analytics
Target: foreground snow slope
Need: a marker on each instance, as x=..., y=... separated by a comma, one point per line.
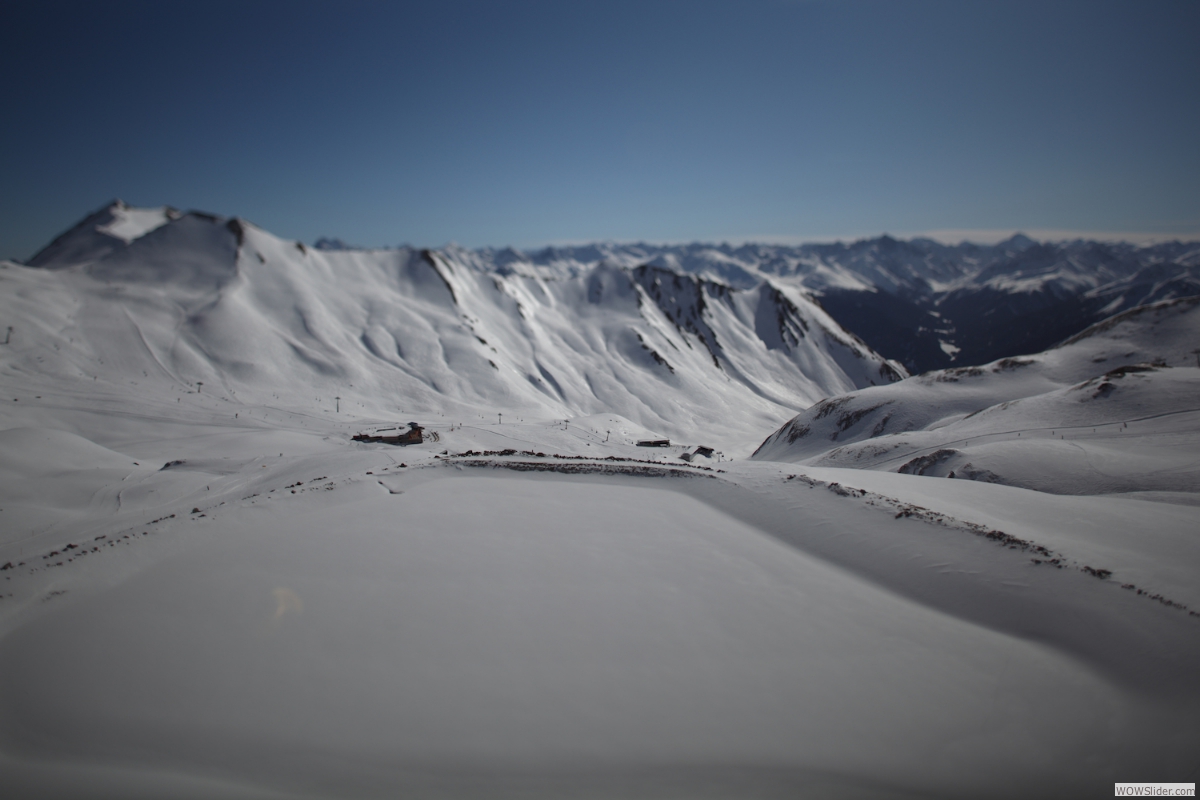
x=198, y=303
x=327, y=622
x=1114, y=409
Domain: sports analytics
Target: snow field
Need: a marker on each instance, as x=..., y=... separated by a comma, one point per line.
x=352, y=640
x=322, y=631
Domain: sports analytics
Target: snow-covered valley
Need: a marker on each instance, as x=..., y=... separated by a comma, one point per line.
x=210, y=590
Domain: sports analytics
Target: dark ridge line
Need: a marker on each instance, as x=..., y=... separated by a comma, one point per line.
x=587, y=469
x=432, y=261
x=532, y=454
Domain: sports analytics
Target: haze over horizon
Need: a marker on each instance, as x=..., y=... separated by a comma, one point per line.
x=526, y=124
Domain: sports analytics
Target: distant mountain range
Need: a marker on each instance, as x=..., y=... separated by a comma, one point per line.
x=918, y=302
x=925, y=304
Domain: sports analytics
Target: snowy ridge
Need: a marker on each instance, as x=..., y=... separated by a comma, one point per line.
x=1072, y=408
x=926, y=304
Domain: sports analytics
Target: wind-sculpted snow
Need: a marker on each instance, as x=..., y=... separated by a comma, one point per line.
x=1113, y=409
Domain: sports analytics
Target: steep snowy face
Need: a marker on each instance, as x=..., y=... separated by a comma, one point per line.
x=1074, y=403
x=204, y=301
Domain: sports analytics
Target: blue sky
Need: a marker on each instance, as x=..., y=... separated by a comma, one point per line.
x=525, y=123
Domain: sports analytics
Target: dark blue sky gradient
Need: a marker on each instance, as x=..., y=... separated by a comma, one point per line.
x=526, y=123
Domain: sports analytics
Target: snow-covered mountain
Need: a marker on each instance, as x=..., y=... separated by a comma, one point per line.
x=923, y=303
x=193, y=300
x=918, y=302
x=1061, y=421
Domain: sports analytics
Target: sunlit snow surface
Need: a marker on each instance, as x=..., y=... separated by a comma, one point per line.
x=215, y=593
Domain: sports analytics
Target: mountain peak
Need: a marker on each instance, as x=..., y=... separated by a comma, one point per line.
x=333, y=244
x=101, y=233
x=1017, y=242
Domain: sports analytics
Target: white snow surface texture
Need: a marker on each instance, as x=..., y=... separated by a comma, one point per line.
x=208, y=589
